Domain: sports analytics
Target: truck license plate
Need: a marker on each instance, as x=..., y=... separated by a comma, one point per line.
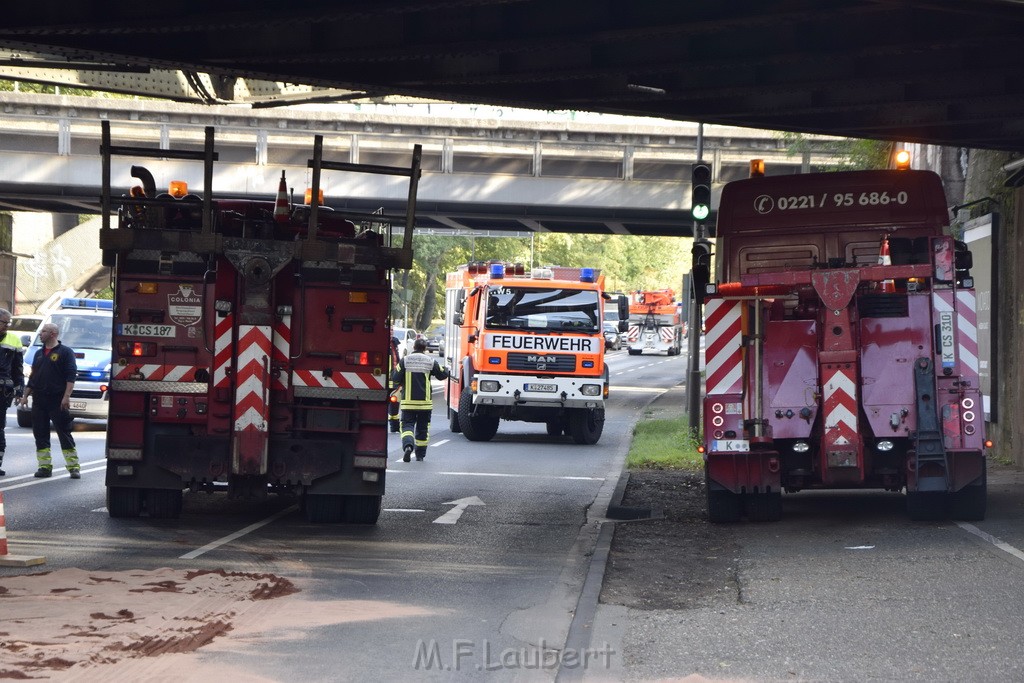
x=533, y=386
x=946, y=339
x=144, y=330
x=78, y=405
x=740, y=445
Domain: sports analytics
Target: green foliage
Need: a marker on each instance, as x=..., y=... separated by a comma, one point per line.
x=848, y=154
x=11, y=86
x=628, y=263
x=665, y=444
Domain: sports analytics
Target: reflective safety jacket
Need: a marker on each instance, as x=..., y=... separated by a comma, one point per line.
x=413, y=376
x=11, y=366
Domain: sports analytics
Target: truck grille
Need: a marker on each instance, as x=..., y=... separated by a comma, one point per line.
x=542, y=362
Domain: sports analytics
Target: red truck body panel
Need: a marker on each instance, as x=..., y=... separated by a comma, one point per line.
x=841, y=346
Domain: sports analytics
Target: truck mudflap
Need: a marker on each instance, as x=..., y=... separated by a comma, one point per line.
x=743, y=484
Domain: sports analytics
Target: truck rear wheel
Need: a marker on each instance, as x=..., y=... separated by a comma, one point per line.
x=475, y=427
x=123, y=501
x=586, y=425
x=25, y=418
x=635, y=352
x=362, y=509
x=164, y=503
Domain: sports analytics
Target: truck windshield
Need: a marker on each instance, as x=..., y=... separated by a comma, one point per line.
x=515, y=308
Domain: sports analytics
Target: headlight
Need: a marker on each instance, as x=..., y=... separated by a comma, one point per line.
x=801, y=447
x=591, y=389
x=489, y=385
x=884, y=445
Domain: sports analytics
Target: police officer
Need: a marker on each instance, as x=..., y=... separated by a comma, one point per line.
x=413, y=376
x=12, y=376
x=53, y=377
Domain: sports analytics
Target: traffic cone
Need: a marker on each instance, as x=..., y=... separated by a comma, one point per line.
x=281, y=208
x=885, y=260
x=6, y=559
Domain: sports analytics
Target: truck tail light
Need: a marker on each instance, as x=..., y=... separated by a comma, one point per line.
x=364, y=358
x=136, y=349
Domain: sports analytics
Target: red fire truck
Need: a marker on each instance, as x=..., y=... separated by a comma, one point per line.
x=841, y=346
x=251, y=343
x=527, y=347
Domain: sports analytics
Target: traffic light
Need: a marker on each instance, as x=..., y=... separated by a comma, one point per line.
x=700, y=192
x=700, y=269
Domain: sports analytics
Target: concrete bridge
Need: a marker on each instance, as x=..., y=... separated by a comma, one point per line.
x=484, y=168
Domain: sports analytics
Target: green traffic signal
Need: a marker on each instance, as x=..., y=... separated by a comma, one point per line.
x=700, y=192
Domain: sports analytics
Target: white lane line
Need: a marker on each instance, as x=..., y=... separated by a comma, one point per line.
x=238, y=534
x=403, y=510
x=57, y=474
x=441, y=442
x=1002, y=545
x=519, y=476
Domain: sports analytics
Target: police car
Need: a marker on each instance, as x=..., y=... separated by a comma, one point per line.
x=86, y=326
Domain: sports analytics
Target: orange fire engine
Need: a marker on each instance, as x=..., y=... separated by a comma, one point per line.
x=527, y=347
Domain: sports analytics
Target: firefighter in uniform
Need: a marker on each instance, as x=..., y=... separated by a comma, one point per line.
x=393, y=421
x=413, y=376
x=12, y=382
x=53, y=377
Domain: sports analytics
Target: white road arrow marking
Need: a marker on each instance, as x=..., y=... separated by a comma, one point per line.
x=461, y=504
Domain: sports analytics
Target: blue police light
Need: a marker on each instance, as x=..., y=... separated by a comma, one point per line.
x=497, y=271
x=586, y=274
x=93, y=304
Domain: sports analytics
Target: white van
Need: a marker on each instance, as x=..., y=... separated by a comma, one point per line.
x=86, y=326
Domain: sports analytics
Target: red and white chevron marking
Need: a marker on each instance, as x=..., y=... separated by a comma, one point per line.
x=252, y=376
x=633, y=333
x=282, y=350
x=840, y=407
x=668, y=334
x=723, y=354
x=157, y=372
x=967, y=332
x=338, y=380
x=966, y=320
x=223, y=336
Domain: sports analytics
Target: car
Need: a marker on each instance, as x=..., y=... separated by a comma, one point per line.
x=612, y=337
x=85, y=325
x=406, y=337
x=25, y=326
x=435, y=339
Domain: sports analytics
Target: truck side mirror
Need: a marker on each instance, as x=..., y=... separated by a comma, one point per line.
x=26, y=340
x=458, y=319
x=623, y=326
x=623, y=307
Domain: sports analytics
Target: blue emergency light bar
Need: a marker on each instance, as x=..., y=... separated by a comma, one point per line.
x=497, y=271
x=88, y=304
x=586, y=274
